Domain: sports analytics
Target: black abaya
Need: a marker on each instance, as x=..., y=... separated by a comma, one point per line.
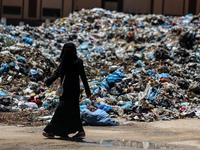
x=66, y=119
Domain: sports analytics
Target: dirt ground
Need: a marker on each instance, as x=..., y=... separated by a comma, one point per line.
x=181, y=134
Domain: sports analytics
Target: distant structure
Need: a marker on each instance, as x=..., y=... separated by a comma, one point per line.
x=37, y=11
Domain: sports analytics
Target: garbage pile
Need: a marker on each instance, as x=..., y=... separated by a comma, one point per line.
x=141, y=67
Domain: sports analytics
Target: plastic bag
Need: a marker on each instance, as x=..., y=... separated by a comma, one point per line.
x=59, y=91
x=97, y=118
x=2, y=93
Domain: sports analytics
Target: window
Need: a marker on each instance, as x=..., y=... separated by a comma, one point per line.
x=49, y=12
x=11, y=10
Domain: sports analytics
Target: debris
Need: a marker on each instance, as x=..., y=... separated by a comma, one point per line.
x=141, y=67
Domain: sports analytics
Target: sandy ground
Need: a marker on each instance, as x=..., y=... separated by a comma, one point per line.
x=181, y=134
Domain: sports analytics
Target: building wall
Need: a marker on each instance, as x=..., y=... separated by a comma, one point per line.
x=87, y=4
x=137, y=6
x=111, y=6
x=51, y=3
x=173, y=7
x=67, y=8
x=198, y=7
x=12, y=3
x=54, y=4
x=26, y=11
x=186, y=7
x=157, y=7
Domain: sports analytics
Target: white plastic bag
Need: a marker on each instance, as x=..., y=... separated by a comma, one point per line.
x=59, y=91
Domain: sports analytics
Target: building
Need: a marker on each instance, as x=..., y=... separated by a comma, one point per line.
x=37, y=11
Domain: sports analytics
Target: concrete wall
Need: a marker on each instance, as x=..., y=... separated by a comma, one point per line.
x=87, y=4
x=173, y=7
x=137, y=6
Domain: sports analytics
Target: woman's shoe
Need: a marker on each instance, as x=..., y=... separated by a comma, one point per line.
x=79, y=135
x=48, y=135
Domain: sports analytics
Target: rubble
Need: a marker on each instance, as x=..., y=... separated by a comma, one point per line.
x=141, y=67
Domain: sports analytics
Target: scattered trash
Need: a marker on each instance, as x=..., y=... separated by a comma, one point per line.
x=141, y=67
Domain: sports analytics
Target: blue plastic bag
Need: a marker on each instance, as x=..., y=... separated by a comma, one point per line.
x=96, y=90
x=151, y=55
x=86, y=101
x=141, y=26
x=83, y=46
x=83, y=107
x=119, y=74
x=12, y=64
x=127, y=105
x=2, y=93
x=28, y=40
x=104, y=85
x=4, y=68
x=150, y=72
x=139, y=63
x=111, y=79
x=102, y=72
x=97, y=118
x=33, y=72
x=9, y=28
x=21, y=59
x=162, y=75
x=104, y=107
x=153, y=95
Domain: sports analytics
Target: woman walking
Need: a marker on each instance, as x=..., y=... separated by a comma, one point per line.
x=66, y=119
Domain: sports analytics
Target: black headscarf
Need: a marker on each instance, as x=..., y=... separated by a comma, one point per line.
x=68, y=57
